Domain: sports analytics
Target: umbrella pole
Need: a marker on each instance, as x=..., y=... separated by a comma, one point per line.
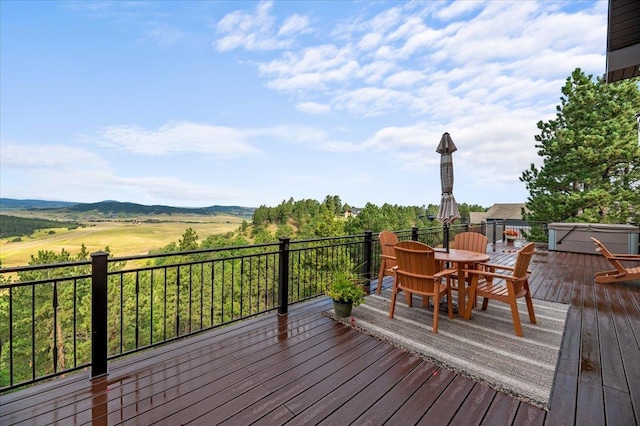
x=445, y=232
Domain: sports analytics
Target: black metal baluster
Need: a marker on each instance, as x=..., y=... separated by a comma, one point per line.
x=165, y=304
x=75, y=320
x=151, y=303
x=137, y=322
x=178, y=281
x=121, y=312
x=190, y=298
x=10, y=336
x=33, y=331
x=55, y=326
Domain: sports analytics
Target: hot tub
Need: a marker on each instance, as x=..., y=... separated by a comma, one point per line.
x=576, y=237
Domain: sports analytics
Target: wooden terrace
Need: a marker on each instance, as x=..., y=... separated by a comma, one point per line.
x=306, y=369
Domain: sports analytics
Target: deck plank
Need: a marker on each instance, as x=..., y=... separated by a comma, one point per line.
x=317, y=411
x=502, y=411
x=449, y=402
x=417, y=404
x=391, y=402
x=354, y=407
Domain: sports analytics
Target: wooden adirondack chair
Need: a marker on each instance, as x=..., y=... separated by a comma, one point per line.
x=472, y=241
x=416, y=274
x=621, y=273
x=507, y=285
x=387, y=257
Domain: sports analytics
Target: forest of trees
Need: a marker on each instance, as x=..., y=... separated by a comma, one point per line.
x=311, y=218
x=13, y=226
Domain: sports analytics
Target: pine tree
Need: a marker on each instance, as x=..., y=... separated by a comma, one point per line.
x=591, y=157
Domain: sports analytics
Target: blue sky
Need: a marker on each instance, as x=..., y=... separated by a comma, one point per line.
x=247, y=103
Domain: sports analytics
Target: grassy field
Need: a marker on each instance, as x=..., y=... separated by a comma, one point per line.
x=123, y=238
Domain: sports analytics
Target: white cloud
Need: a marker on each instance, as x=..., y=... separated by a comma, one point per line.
x=325, y=58
x=486, y=49
x=400, y=138
x=458, y=9
x=309, y=81
x=294, y=24
x=405, y=78
x=257, y=31
x=313, y=108
x=371, y=101
x=42, y=156
x=179, y=137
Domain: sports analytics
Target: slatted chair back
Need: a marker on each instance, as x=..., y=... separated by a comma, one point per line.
x=388, y=263
x=388, y=240
x=521, y=268
x=472, y=241
x=415, y=262
x=416, y=274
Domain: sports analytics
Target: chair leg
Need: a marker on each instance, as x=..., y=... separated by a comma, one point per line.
x=380, y=276
x=517, y=327
x=394, y=294
x=425, y=301
x=472, y=295
x=436, y=309
x=485, y=303
x=449, y=301
x=527, y=297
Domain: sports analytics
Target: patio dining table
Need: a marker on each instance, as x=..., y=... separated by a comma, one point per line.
x=462, y=259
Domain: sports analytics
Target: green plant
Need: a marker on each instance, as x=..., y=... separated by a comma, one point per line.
x=345, y=286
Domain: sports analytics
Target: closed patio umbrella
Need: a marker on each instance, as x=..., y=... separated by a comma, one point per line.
x=448, y=212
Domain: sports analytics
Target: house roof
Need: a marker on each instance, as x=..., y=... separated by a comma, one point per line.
x=505, y=211
x=623, y=40
x=477, y=217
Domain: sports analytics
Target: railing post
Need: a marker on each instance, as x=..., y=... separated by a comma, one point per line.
x=98, y=314
x=495, y=231
x=368, y=257
x=283, y=277
x=414, y=233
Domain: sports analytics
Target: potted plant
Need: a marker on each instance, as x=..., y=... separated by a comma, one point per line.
x=510, y=234
x=345, y=288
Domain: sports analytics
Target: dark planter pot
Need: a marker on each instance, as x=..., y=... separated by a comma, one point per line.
x=342, y=309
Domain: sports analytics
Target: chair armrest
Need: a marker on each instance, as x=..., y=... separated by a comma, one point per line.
x=430, y=277
x=495, y=266
x=625, y=257
x=481, y=273
x=445, y=272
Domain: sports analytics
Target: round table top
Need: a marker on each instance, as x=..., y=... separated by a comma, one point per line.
x=461, y=256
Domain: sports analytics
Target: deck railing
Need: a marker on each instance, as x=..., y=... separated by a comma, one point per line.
x=60, y=318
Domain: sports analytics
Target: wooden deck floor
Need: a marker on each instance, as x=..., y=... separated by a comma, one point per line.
x=306, y=369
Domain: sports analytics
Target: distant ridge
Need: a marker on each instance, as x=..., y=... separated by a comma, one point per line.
x=117, y=207
x=10, y=203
